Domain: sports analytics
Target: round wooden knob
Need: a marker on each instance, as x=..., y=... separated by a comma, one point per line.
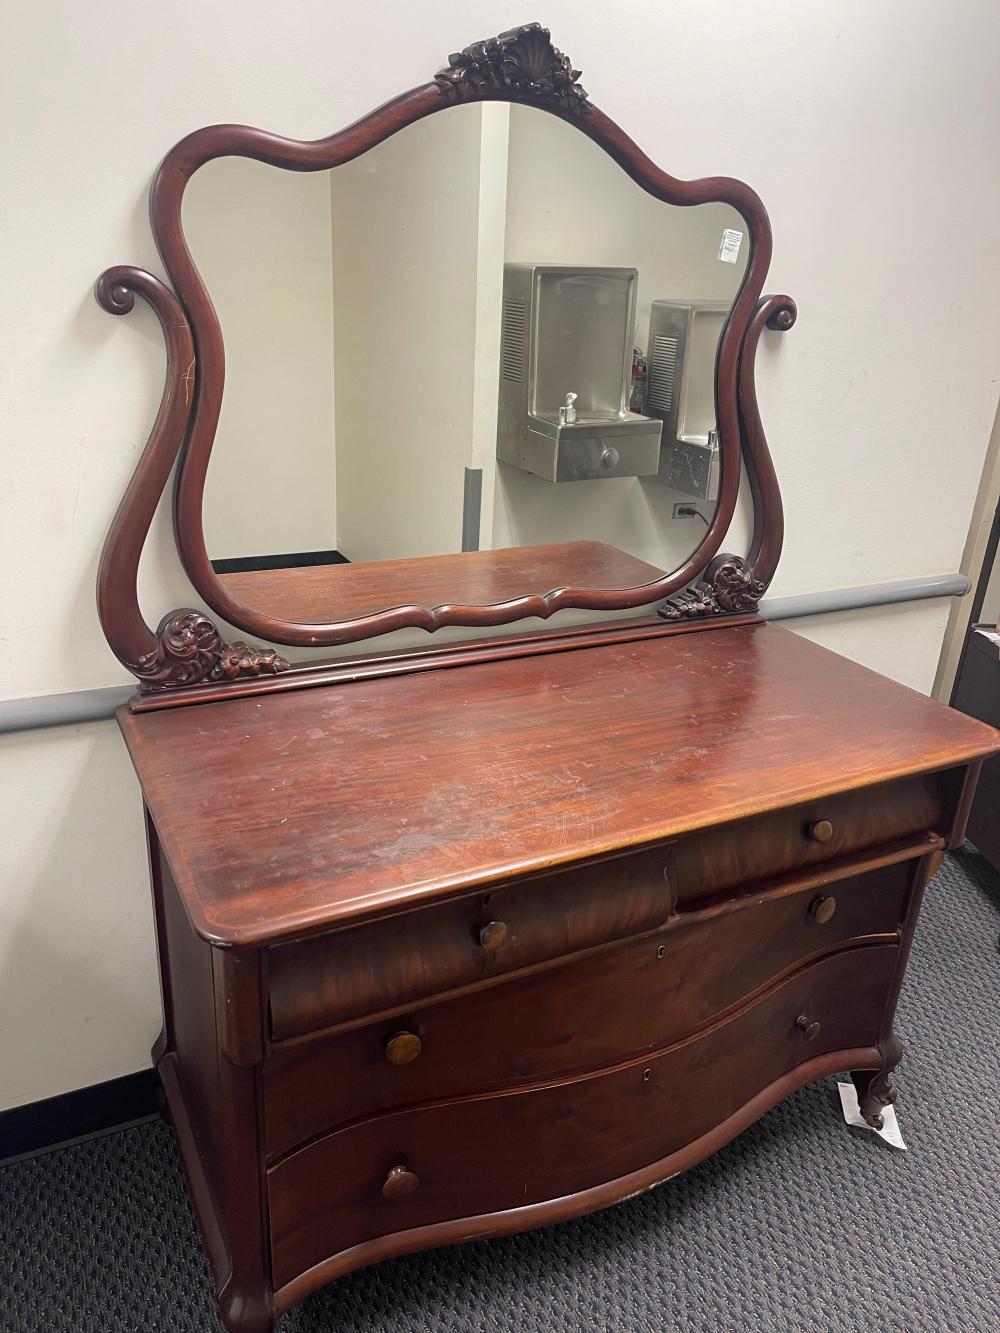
x=806, y=1025
x=400, y=1183
x=823, y=908
x=402, y=1048
x=493, y=936
x=820, y=830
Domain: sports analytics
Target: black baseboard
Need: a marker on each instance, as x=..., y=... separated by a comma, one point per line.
x=83, y=1114
x=249, y=564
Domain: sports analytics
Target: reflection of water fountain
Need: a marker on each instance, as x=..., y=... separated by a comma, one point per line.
x=683, y=341
x=566, y=375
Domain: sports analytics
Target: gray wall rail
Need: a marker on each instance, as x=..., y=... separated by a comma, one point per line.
x=56, y=710
x=856, y=599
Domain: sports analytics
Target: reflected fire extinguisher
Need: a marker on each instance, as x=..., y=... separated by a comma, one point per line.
x=637, y=394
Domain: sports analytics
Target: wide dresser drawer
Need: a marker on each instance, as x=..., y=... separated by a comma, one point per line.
x=484, y=1155
x=606, y=1007
x=386, y=965
x=364, y=970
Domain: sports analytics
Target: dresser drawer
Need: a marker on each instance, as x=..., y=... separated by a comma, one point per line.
x=606, y=1007
x=393, y=963
x=701, y=865
x=488, y=1154
x=368, y=969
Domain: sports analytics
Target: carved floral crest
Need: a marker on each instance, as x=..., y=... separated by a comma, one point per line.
x=189, y=650
x=521, y=61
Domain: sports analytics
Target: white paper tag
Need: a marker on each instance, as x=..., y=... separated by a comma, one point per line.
x=729, y=250
x=852, y=1114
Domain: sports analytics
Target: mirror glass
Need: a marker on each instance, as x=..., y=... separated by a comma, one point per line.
x=480, y=335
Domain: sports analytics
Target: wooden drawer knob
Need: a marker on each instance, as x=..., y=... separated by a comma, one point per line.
x=808, y=1026
x=822, y=908
x=820, y=830
x=400, y=1183
x=402, y=1048
x=493, y=936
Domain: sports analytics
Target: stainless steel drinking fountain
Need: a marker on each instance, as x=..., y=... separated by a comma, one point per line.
x=565, y=375
x=683, y=343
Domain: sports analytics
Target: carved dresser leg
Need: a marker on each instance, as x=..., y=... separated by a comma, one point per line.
x=874, y=1086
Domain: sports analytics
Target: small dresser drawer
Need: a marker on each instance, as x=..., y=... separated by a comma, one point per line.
x=483, y=1155
x=707, y=863
x=366, y=970
x=640, y=996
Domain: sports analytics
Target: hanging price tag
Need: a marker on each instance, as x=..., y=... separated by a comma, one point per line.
x=729, y=250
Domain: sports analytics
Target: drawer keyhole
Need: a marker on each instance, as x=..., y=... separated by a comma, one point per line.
x=400, y=1183
x=822, y=909
x=808, y=1026
x=402, y=1048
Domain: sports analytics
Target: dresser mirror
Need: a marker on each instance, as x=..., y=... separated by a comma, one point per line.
x=472, y=361
x=417, y=318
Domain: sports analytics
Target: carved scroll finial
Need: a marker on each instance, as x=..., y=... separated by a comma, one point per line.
x=112, y=293
x=190, y=650
x=729, y=588
x=780, y=312
x=521, y=61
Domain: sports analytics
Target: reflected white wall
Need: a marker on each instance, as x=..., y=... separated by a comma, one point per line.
x=261, y=240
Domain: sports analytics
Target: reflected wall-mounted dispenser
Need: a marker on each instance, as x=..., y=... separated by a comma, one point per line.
x=565, y=375
x=683, y=341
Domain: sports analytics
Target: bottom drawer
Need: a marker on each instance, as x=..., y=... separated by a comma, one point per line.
x=499, y=1151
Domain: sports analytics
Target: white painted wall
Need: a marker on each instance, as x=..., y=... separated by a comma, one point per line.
x=873, y=141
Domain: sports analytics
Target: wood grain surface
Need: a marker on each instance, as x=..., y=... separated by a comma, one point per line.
x=499, y=1152
x=610, y=1006
x=474, y=578
x=300, y=811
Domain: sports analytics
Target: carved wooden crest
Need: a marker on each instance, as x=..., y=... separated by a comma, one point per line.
x=189, y=650
x=730, y=588
x=521, y=61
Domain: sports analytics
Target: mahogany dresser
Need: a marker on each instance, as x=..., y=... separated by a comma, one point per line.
x=465, y=939
x=463, y=952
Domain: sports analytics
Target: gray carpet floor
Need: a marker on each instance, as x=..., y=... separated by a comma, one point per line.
x=800, y=1224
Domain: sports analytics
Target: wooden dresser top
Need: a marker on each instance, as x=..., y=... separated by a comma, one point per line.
x=282, y=813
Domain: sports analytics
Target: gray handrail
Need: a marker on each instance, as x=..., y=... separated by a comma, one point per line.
x=856, y=599
x=74, y=706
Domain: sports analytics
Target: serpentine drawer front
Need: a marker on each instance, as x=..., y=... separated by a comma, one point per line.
x=611, y=1005
x=381, y=967
x=489, y=1154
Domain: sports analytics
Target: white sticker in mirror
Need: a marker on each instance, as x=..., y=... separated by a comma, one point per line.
x=729, y=250
x=852, y=1114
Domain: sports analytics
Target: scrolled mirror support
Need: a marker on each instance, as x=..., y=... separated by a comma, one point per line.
x=186, y=648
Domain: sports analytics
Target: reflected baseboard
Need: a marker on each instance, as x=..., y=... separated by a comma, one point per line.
x=246, y=564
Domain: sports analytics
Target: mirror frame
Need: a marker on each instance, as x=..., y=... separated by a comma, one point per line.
x=520, y=66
